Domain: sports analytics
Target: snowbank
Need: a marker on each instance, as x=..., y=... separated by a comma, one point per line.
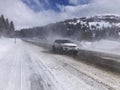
x=5, y=45
x=106, y=46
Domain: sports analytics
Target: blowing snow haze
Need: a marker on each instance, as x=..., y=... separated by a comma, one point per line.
x=59, y=44
x=31, y=13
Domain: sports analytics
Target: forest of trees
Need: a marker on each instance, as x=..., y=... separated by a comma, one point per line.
x=68, y=28
x=79, y=31
x=6, y=27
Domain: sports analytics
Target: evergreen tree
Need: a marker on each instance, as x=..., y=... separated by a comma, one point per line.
x=12, y=26
x=6, y=27
x=7, y=24
x=2, y=21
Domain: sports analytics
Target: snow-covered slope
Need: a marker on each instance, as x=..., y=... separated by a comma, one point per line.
x=98, y=21
x=85, y=28
x=106, y=46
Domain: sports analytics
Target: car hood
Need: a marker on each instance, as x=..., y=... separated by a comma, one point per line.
x=69, y=44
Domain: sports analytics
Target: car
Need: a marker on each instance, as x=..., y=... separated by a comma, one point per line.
x=65, y=46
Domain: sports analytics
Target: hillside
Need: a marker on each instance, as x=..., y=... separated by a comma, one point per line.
x=85, y=28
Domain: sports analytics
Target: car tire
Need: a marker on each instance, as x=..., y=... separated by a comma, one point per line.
x=61, y=51
x=54, y=49
x=75, y=53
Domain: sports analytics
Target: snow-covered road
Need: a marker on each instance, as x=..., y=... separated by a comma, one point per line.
x=24, y=66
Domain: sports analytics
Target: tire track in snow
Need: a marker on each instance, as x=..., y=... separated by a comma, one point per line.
x=41, y=77
x=6, y=64
x=31, y=70
x=15, y=74
x=83, y=76
x=91, y=81
x=76, y=66
x=60, y=73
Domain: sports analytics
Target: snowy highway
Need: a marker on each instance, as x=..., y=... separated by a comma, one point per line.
x=24, y=66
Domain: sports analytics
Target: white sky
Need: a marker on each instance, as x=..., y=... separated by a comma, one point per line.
x=24, y=17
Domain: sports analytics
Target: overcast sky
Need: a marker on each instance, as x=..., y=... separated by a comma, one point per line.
x=31, y=13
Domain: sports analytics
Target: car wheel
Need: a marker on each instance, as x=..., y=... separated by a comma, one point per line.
x=61, y=51
x=75, y=53
x=54, y=49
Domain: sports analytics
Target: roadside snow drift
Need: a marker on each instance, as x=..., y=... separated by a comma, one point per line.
x=106, y=46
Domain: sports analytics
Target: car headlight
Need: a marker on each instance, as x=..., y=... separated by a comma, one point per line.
x=77, y=48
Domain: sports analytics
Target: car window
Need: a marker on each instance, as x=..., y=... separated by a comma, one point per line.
x=63, y=41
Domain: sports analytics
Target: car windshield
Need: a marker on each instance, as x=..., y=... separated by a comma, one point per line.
x=63, y=41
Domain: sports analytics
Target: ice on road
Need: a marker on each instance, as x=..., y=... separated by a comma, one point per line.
x=24, y=66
